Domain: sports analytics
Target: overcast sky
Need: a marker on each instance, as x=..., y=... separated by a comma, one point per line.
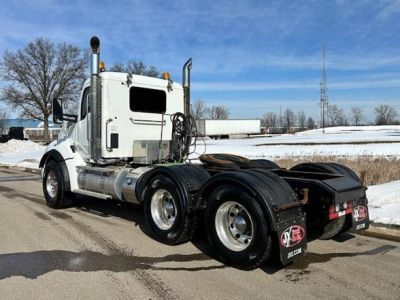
x=252, y=56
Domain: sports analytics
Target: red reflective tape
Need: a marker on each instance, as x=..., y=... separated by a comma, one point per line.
x=333, y=214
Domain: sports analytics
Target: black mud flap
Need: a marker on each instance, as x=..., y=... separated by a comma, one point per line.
x=292, y=237
x=360, y=216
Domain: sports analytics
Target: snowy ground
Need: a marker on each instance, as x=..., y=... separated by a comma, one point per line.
x=384, y=199
x=336, y=141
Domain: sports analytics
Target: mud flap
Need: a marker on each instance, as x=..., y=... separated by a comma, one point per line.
x=360, y=216
x=292, y=239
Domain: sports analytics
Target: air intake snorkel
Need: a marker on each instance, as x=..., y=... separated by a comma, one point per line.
x=186, y=85
x=95, y=101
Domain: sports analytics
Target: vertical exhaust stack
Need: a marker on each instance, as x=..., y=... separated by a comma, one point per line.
x=95, y=101
x=186, y=85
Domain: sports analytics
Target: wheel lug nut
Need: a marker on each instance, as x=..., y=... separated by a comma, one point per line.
x=232, y=225
x=237, y=235
x=246, y=241
x=168, y=217
x=232, y=215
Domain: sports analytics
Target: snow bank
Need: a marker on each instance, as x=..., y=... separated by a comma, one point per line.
x=13, y=146
x=384, y=203
x=21, y=153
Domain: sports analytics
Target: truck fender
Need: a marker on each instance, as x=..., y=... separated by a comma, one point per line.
x=56, y=156
x=267, y=188
x=187, y=178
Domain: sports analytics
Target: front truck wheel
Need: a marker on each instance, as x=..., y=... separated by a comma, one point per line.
x=54, y=188
x=165, y=214
x=237, y=228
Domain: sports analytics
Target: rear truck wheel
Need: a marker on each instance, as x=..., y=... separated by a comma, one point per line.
x=329, y=228
x=165, y=213
x=237, y=228
x=54, y=187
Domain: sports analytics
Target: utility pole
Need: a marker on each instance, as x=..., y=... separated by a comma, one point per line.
x=323, y=91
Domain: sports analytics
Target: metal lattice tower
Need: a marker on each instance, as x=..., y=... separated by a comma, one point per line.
x=323, y=91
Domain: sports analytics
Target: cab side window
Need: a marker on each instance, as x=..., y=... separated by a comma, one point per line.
x=85, y=104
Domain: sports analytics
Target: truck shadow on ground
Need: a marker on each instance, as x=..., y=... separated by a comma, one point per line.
x=134, y=214
x=34, y=264
x=317, y=258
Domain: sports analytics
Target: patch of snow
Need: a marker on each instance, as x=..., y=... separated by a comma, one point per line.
x=17, y=146
x=384, y=202
x=349, y=141
x=21, y=153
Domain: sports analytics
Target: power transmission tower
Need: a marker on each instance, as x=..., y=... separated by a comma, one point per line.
x=323, y=91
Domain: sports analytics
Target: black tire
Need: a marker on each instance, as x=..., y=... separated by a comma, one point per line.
x=258, y=249
x=162, y=228
x=59, y=197
x=336, y=226
x=333, y=228
x=264, y=164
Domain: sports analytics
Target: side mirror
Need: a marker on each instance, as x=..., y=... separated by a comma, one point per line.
x=58, y=114
x=57, y=111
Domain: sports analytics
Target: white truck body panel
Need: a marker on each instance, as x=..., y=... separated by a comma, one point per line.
x=118, y=118
x=227, y=127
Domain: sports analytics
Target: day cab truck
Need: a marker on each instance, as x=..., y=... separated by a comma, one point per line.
x=130, y=141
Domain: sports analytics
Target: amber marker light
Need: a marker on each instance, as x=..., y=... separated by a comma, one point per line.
x=166, y=76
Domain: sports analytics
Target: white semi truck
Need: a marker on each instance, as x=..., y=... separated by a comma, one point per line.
x=130, y=141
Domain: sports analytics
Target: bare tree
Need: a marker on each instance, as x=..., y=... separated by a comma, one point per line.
x=3, y=121
x=135, y=67
x=269, y=120
x=336, y=115
x=357, y=115
x=219, y=112
x=40, y=72
x=310, y=123
x=117, y=67
x=385, y=114
x=289, y=119
x=301, y=119
x=198, y=109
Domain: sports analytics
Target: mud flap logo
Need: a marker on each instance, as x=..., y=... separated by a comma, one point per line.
x=292, y=236
x=360, y=213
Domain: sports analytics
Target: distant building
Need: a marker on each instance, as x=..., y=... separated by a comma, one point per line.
x=32, y=129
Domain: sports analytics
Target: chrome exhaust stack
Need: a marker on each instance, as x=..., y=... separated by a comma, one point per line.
x=186, y=85
x=95, y=101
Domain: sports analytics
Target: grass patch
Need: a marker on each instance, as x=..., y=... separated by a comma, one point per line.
x=371, y=169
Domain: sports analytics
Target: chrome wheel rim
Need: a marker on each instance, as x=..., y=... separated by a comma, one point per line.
x=234, y=226
x=163, y=209
x=51, y=184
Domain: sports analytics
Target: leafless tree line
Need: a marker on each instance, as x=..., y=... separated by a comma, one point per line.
x=289, y=120
x=135, y=67
x=199, y=110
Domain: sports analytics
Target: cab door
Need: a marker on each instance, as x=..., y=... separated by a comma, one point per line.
x=82, y=132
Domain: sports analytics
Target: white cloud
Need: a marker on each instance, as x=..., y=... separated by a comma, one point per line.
x=352, y=84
